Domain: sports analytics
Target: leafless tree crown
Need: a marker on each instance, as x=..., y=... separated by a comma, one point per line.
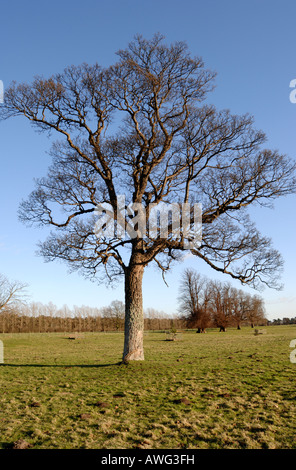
x=141, y=128
x=12, y=294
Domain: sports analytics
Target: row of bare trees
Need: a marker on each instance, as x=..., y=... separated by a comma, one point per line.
x=207, y=303
x=17, y=315
x=37, y=317
x=283, y=321
x=203, y=303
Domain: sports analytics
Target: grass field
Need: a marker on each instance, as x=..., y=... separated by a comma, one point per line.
x=215, y=390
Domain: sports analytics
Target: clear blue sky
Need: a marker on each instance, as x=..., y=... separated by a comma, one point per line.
x=251, y=46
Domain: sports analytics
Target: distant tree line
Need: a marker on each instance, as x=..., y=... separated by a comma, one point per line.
x=282, y=321
x=36, y=317
x=17, y=315
x=205, y=303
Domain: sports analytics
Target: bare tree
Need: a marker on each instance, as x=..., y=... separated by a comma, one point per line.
x=240, y=301
x=220, y=304
x=193, y=300
x=256, y=311
x=115, y=312
x=168, y=148
x=12, y=294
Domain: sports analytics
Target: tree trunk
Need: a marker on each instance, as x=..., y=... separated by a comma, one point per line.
x=134, y=321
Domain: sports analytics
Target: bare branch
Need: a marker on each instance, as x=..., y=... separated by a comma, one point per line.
x=12, y=294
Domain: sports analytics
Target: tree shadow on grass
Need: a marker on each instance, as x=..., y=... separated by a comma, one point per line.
x=63, y=366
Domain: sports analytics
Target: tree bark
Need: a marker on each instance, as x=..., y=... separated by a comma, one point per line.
x=134, y=320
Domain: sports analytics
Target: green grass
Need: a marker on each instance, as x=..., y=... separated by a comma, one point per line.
x=203, y=391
